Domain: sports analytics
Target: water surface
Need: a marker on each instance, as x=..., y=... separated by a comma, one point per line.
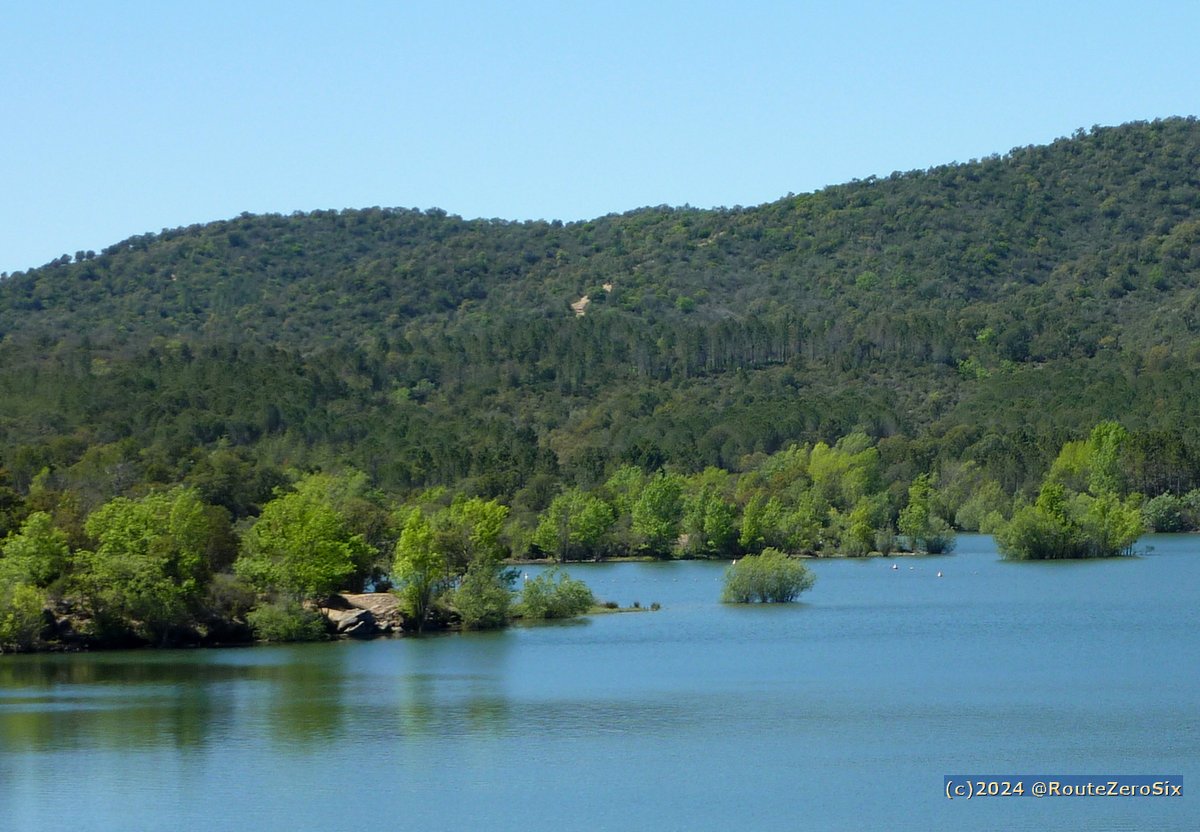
x=841, y=712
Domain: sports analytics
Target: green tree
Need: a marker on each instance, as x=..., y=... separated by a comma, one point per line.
x=1106, y=446
x=770, y=577
x=419, y=569
x=575, y=525
x=657, y=513
x=468, y=532
x=300, y=546
x=924, y=529
x=710, y=523
x=148, y=570
x=1066, y=525
x=38, y=550
x=761, y=522
x=286, y=620
x=21, y=614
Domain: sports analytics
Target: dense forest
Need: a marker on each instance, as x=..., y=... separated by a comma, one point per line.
x=806, y=371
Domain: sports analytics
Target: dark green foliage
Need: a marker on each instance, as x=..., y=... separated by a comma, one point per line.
x=554, y=594
x=983, y=311
x=287, y=621
x=770, y=577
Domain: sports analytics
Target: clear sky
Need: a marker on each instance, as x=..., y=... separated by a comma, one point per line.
x=118, y=118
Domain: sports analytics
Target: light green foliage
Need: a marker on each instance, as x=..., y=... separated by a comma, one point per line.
x=1062, y=524
x=286, y=621
x=469, y=532
x=21, y=618
x=358, y=503
x=988, y=499
x=770, y=577
x=804, y=528
x=38, y=551
x=576, y=525
x=786, y=470
x=762, y=520
x=1071, y=468
x=483, y=598
x=858, y=535
x=301, y=545
x=925, y=530
x=846, y=472
x=657, y=514
x=148, y=569
x=554, y=594
x=624, y=487
x=1111, y=525
x=709, y=522
x=1105, y=446
x=1093, y=465
x=419, y=569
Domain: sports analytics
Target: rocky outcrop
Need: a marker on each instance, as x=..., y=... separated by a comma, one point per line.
x=364, y=615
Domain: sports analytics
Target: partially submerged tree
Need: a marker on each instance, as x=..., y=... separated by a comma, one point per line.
x=554, y=594
x=770, y=577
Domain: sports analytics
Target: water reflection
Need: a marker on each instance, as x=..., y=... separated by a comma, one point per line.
x=131, y=700
x=295, y=698
x=301, y=700
x=687, y=718
x=435, y=697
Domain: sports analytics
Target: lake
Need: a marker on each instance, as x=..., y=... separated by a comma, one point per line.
x=840, y=712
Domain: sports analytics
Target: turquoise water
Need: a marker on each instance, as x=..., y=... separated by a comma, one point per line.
x=842, y=712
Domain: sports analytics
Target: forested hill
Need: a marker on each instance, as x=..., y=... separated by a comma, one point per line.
x=985, y=311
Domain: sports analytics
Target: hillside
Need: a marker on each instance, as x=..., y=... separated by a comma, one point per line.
x=984, y=311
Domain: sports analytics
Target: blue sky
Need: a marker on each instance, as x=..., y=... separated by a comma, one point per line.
x=123, y=118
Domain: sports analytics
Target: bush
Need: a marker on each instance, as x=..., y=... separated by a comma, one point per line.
x=555, y=595
x=1081, y=527
x=771, y=577
x=1166, y=513
x=286, y=621
x=483, y=599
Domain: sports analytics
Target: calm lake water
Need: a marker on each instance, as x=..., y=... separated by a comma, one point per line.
x=842, y=712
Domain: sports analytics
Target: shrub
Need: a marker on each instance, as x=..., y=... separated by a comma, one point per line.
x=555, y=595
x=286, y=621
x=771, y=577
x=483, y=598
x=1166, y=513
